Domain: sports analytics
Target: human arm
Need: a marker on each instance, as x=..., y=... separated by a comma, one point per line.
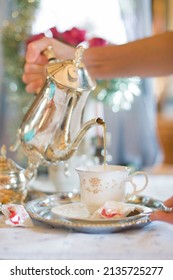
x=151, y=56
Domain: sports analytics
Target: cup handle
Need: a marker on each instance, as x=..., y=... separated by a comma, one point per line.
x=130, y=180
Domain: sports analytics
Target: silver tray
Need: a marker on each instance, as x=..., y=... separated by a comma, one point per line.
x=40, y=210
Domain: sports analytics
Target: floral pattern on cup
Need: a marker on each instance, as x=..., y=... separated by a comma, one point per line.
x=98, y=185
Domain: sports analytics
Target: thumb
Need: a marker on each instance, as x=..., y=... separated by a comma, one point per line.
x=35, y=48
x=162, y=216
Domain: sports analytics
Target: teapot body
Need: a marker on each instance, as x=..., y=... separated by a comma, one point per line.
x=52, y=128
x=52, y=121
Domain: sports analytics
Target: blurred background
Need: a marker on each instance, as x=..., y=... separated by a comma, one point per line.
x=138, y=112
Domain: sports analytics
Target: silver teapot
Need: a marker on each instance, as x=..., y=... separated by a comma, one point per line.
x=52, y=128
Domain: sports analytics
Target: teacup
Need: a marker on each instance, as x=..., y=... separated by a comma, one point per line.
x=99, y=184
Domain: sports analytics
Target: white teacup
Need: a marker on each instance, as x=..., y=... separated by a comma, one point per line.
x=99, y=184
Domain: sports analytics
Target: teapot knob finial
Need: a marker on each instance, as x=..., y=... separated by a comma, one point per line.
x=78, y=55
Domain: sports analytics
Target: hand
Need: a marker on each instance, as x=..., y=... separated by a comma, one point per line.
x=34, y=74
x=164, y=216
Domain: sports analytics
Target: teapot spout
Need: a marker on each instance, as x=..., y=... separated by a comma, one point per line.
x=53, y=156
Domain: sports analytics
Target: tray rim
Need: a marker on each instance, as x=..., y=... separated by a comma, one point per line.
x=136, y=221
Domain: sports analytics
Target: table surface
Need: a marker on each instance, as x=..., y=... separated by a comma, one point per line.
x=42, y=241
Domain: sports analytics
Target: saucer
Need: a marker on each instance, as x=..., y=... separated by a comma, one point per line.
x=77, y=212
x=73, y=211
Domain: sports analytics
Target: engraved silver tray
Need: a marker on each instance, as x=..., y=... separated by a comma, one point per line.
x=40, y=210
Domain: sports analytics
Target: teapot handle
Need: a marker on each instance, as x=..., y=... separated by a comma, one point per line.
x=49, y=53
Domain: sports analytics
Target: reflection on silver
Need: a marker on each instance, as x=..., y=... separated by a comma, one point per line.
x=150, y=202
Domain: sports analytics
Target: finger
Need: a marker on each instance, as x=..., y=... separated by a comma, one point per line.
x=35, y=48
x=34, y=87
x=28, y=78
x=169, y=202
x=30, y=68
x=162, y=216
x=42, y=59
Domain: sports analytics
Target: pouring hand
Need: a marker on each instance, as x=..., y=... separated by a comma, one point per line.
x=164, y=216
x=35, y=67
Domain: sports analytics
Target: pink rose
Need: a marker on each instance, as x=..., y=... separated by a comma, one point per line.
x=55, y=33
x=97, y=42
x=73, y=36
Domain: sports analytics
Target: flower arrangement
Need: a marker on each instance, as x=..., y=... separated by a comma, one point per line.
x=72, y=37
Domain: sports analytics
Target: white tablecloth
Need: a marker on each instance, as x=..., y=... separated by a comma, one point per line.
x=45, y=242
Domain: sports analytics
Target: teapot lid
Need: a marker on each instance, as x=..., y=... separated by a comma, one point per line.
x=7, y=166
x=71, y=73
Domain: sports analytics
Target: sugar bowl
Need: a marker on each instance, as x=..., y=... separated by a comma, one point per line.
x=13, y=180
